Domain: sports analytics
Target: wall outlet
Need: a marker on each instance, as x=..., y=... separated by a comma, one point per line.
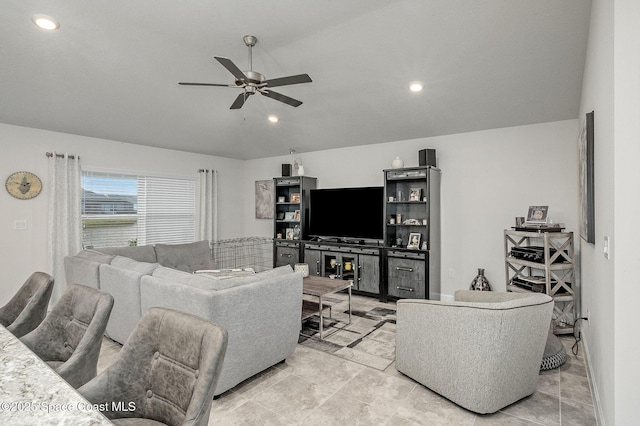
x=20, y=225
x=605, y=247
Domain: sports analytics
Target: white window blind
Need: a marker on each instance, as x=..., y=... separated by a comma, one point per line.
x=121, y=209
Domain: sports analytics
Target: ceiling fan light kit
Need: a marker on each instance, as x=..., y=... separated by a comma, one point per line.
x=253, y=82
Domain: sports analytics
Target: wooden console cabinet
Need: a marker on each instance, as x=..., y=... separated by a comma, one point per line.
x=346, y=262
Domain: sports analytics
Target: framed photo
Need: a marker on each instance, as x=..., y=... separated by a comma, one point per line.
x=296, y=215
x=264, y=199
x=586, y=179
x=414, y=240
x=415, y=194
x=280, y=216
x=281, y=199
x=289, y=216
x=294, y=197
x=537, y=214
x=289, y=234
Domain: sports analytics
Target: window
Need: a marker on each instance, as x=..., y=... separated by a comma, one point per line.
x=121, y=209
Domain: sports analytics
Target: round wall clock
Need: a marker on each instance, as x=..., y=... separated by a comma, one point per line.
x=23, y=185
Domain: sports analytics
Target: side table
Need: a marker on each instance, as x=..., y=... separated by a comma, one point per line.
x=322, y=286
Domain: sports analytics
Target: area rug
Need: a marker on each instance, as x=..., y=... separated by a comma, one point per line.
x=369, y=339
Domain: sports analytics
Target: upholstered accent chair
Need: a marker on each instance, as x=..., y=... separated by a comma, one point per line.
x=70, y=337
x=167, y=370
x=482, y=351
x=28, y=307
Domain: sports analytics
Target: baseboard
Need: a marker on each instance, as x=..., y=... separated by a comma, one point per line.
x=592, y=383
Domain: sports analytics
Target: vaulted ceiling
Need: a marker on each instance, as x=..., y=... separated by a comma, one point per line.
x=111, y=70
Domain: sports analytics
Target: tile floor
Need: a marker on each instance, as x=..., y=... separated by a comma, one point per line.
x=314, y=387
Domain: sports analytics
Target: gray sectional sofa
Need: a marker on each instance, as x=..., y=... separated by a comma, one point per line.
x=261, y=311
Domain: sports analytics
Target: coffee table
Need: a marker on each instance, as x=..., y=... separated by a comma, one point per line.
x=320, y=287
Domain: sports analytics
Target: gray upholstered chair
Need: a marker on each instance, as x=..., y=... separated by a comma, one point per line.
x=167, y=370
x=482, y=351
x=70, y=337
x=26, y=310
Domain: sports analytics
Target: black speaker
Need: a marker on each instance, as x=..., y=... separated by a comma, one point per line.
x=286, y=170
x=427, y=157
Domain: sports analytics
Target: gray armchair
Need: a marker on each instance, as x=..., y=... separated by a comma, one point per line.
x=167, y=370
x=26, y=310
x=70, y=337
x=483, y=351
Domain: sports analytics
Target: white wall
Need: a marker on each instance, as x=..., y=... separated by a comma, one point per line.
x=626, y=293
x=488, y=178
x=611, y=88
x=23, y=252
x=596, y=271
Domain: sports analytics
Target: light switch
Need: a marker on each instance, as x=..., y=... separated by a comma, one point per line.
x=20, y=225
x=605, y=247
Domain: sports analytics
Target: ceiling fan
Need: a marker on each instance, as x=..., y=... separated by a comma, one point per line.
x=252, y=81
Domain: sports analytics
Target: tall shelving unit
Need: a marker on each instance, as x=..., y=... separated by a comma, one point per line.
x=412, y=208
x=291, y=218
x=554, y=273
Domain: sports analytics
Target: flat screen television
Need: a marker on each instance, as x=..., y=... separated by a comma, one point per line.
x=347, y=213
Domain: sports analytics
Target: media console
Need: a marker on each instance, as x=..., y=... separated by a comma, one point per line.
x=403, y=263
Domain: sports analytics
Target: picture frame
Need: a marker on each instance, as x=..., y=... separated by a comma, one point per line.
x=537, y=214
x=264, y=194
x=280, y=216
x=414, y=240
x=586, y=179
x=289, y=234
x=281, y=199
x=294, y=197
x=415, y=194
x=289, y=216
x=296, y=215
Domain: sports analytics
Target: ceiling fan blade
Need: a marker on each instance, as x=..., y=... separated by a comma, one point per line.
x=182, y=83
x=282, y=98
x=237, y=104
x=231, y=67
x=285, y=81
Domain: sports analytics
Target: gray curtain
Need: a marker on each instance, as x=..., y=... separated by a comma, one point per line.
x=65, y=223
x=208, y=202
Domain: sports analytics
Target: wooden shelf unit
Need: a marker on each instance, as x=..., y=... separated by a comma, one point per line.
x=412, y=207
x=557, y=270
x=291, y=218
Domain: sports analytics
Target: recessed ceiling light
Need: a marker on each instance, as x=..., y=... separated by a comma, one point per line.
x=45, y=22
x=415, y=86
x=273, y=119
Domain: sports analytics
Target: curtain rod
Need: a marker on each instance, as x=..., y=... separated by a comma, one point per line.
x=50, y=154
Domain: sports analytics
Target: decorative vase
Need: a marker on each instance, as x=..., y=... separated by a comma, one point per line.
x=397, y=163
x=302, y=268
x=300, y=170
x=480, y=282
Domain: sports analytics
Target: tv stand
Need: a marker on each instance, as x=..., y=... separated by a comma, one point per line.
x=344, y=259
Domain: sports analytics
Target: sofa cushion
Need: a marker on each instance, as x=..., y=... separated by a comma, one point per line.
x=139, y=253
x=225, y=283
x=184, y=278
x=185, y=257
x=96, y=256
x=133, y=265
